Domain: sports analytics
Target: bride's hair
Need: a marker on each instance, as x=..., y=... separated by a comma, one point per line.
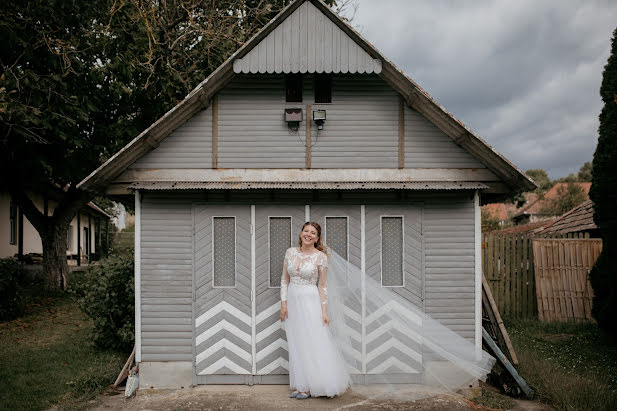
x=318, y=245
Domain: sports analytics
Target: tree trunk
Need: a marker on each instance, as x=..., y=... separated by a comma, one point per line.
x=55, y=267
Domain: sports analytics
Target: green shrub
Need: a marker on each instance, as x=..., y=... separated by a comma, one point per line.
x=106, y=294
x=12, y=277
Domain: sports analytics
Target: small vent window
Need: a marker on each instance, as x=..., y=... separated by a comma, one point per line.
x=293, y=87
x=69, y=238
x=323, y=88
x=392, y=251
x=224, y=250
x=280, y=240
x=336, y=235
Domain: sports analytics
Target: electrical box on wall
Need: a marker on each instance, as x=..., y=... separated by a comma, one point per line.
x=293, y=117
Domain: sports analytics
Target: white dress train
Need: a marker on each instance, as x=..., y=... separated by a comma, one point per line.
x=315, y=362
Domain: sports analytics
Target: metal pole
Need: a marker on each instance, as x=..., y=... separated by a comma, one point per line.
x=506, y=363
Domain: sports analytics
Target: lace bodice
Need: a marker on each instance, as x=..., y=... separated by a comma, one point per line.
x=305, y=269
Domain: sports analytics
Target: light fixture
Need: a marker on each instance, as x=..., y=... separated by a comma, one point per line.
x=319, y=117
x=293, y=117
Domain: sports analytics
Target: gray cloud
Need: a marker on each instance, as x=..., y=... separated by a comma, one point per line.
x=524, y=75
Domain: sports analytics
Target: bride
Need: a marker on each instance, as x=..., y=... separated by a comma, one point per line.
x=320, y=363
x=316, y=366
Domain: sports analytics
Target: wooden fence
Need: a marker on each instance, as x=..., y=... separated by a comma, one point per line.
x=508, y=265
x=562, y=278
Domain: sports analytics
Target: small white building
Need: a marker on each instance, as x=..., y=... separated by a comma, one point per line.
x=86, y=235
x=306, y=121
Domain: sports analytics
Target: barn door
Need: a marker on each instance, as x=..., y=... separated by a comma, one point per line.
x=223, y=307
x=341, y=231
x=276, y=229
x=394, y=259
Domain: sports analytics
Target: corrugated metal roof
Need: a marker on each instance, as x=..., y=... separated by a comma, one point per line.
x=232, y=185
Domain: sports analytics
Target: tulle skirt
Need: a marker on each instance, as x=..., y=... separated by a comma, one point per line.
x=315, y=362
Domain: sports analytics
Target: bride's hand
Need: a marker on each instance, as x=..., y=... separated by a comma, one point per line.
x=325, y=318
x=283, y=312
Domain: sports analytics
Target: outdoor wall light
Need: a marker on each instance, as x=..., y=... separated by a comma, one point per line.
x=319, y=117
x=293, y=117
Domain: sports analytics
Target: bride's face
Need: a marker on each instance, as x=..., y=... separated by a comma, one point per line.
x=309, y=236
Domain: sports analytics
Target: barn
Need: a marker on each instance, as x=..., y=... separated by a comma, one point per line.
x=306, y=121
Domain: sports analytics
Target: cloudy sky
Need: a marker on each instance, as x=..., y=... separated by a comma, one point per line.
x=524, y=75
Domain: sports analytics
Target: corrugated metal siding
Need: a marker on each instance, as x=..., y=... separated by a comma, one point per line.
x=361, y=128
x=426, y=146
x=449, y=261
x=307, y=42
x=166, y=278
x=252, y=133
x=190, y=146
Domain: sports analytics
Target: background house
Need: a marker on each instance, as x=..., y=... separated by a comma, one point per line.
x=306, y=121
x=577, y=220
x=86, y=235
x=540, y=209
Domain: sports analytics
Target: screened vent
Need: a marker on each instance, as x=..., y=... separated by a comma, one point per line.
x=336, y=235
x=280, y=240
x=224, y=250
x=392, y=251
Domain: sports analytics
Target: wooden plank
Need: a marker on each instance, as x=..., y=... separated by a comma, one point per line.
x=525, y=275
x=516, y=260
x=215, y=130
x=308, y=139
x=401, y=132
x=494, y=312
x=507, y=255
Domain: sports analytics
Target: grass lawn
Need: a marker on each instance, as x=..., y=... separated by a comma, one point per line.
x=46, y=359
x=571, y=366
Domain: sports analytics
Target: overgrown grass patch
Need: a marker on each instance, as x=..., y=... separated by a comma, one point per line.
x=571, y=366
x=46, y=359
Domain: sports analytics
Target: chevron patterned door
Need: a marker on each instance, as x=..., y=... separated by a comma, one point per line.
x=393, y=258
x=276, y=229
x=223, y=307
x=341, y=230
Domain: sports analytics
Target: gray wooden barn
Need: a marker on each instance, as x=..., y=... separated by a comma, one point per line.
x=306, y=121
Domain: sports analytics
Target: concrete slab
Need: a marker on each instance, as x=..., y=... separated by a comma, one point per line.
x=275, y=397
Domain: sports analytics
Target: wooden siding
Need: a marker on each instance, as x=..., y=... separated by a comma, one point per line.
x=448, y=227
x=426, y=146
x=307, y=42
x=190, y=146
x=166, y=278
x=361, y=128
x=252, y=130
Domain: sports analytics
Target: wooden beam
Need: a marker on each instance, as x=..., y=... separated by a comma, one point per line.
x=215, y=130
x=401, y=132
x=308, y=136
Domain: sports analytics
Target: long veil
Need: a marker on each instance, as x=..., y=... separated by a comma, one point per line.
x=402, y=344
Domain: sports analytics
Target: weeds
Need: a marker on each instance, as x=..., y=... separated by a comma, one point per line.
x=46, y=359
x=571, y=366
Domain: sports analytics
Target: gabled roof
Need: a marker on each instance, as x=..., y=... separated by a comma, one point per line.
x=537, y=206
x=580, y=218
x=415, y=97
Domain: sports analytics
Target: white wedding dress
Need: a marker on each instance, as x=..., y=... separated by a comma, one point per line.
x=315, y=362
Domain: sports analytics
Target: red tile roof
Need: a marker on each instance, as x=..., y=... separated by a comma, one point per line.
x=580, y=218
x=496, y=210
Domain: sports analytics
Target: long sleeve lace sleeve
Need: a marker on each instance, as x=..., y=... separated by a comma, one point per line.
x=284, y=278
x=322, y=280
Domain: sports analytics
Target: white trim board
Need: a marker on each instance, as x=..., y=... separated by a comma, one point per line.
x=137, y=276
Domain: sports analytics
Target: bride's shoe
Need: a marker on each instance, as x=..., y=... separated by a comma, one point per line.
x=294, y=394
x=303, y=396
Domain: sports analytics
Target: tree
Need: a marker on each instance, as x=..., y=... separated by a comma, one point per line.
x=603, y=192
x=540, y=177
x=79, y=79
x=568, y=197
x=585, y=172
